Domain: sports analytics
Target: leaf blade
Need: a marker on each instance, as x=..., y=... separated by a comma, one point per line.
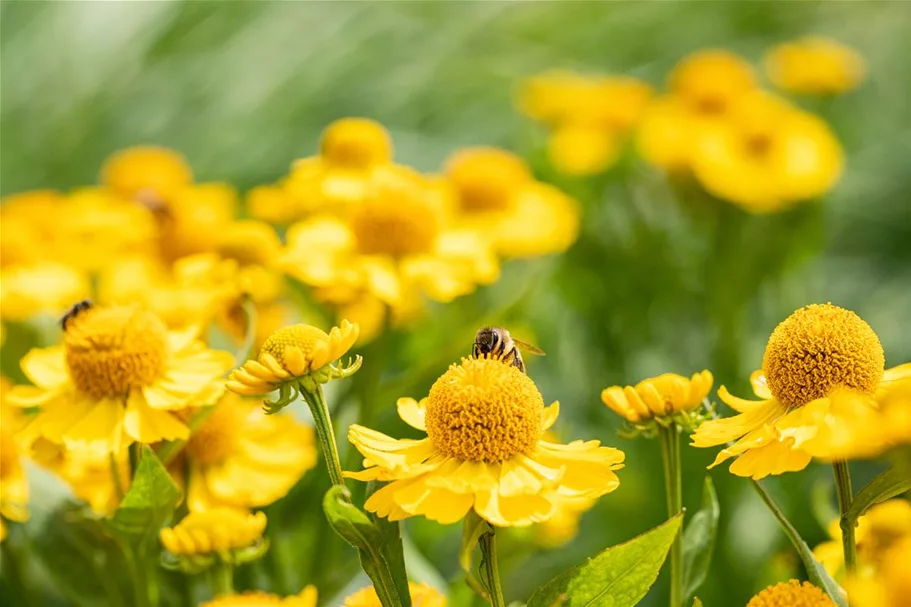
x=699, y=540
x=884, y=486
x=148, y=504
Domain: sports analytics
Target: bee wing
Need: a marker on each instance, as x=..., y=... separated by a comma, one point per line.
x=526, y=347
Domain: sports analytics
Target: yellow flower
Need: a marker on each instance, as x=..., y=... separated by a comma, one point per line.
x=118, y=377
x=497, y=196
x=484, y=420
x=767, y=155
x=710, y=81
x=891, y=585
x=667, y=134
x=241, y=458
x=815, y=65
x=666, y=395
x=563, y=526
x=422, y=595
x=791, y=594
x=582, y=150
x=42, y=288
x=292, y=358
x=882, y=526
x=13, y=482
x=821, y=406
x=27, y=233
x=395, y=245
x=146, y=173
x=213, y=531
x=256, y=598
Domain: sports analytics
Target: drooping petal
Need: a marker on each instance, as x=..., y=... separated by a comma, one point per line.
x=741, y=405
x=760, y=385
x=506, y=511
x=100, y=431
x=719, y=431
x=549, y=417
x=148, y=425
x=776, y=457
x=46, y=368
x=412, y=412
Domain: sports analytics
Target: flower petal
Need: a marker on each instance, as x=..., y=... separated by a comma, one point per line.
x=412, y=412
x=719, y=431
x=101, y=430
x=549, y=417
x=46, y=367
x=148, y=425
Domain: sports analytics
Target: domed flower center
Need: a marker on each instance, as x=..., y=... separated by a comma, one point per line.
x=304, y=337
x=486, y=178
x=791, y=594
x=356, y=143
x=484, y=410
x=109, y=351
x=758, y=145
x=216, y=439
x=249, y=242
x=818, y=349
x=395, y=219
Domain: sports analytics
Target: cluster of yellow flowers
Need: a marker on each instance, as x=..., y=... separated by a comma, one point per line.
x=714, y=123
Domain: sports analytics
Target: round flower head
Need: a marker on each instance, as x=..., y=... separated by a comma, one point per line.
x=295, y=358
x=422, y=595
x=229, y=535
x=484, y=420
x=666, y=396
x=814, y=65
x=791, y=594
x=241, y=458
x=709, y=81
x=818, y=405
x=256, y=598
x=146, y=172
x=120, y=376
x=41, y=288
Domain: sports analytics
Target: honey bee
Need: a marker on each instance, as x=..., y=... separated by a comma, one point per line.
x=497, y=342
x=74, y=311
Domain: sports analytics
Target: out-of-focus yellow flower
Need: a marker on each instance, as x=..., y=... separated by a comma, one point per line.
x=118, y=377
x=791, y=594
x=422, y=595
x=894, y=398
x=498, y=197
x=153, y=175
x=241, y=458
x=709, y=82
x=891, y=585
x=256, y=598
x=581, y=150
x=13, y=482
x=293, y=359
x=213, y=531
x=815, y=65
x=273, y=204
x=563, y=526
x=877, y=531
x=820, y=406
x=42, y=288
x=667, y=134
x=396, y=245
x=664, y=396
x=484, y=420
x=27, y=232
x=767, y=155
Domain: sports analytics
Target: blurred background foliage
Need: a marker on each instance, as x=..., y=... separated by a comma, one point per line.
x=657, y=282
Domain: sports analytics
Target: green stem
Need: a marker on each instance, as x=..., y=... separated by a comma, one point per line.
x=845, y=497
x=488, y=543
x=139, y=573
x=320, y=410
x=673, y=489
x=115, y=475
x=222, y=578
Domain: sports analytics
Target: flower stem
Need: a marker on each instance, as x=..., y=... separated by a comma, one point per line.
x=320, y=410
x=222, y=578
x=488, y=543
x=673, y=488
x=845, y=497
x=115, y=477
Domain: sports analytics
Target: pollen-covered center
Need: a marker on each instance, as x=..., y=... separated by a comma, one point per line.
x=305, y=338
x=395, y=219
x=791, y=594
x=112, y=350
x=484, y=410
x=216, y=439
x=820, y=348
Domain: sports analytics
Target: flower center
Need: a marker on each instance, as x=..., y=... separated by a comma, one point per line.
x=356, y=143
x=758, y=146
x=791, y=594
x=396, y=218
x=216, y=439
x=820, y=348
x=304, y=337
x=112, y=350
x=484, y=410
x=486, y=178
x=249, y=242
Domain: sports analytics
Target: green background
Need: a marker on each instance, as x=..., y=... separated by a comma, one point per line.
x=659, y=281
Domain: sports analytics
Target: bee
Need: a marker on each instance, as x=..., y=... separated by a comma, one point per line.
x=74, y=311
x=497, y=342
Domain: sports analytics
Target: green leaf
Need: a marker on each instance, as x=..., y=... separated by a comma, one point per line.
x=473, y=527
x=699, y=540
x=393, y=551
x=148, y=504
x=815, y=571
x=618, y=577
x=887, y=485
x=356, y=528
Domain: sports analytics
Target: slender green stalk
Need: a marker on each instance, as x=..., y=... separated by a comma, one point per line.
x=845, y=497
x=222, y=578
x=320, y=410
x=488, y=543
x=673, y=489
x=140, y=575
